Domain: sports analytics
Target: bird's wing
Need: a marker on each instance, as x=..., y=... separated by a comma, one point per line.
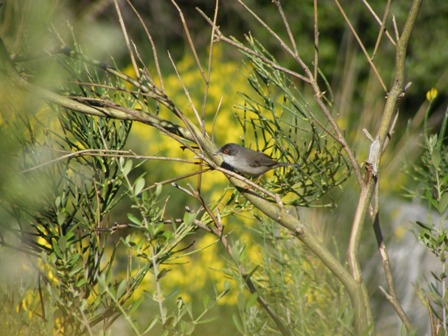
x=265, y=161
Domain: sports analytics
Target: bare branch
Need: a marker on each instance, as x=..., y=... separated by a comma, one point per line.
x=107, y=153
x=382, y=28
x=187, y=93
x=316, y=41
x=391, y=293
x=151, y=41
x=126, y=38
x=189, y=39
x=286, y=24
x=382, y=23
x=240, y=46
x=358, y=39
x=210, y=58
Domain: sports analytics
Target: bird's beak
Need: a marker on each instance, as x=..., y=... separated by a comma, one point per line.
x=216, y=153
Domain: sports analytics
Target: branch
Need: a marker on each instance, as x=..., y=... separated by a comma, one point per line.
x=389, y=110
x=391, y=293
x=371, y=176
x=361, y=45
x=400, y=58
x=106, y=153
x=285, y=22
x=89, y=107
x=382, y=23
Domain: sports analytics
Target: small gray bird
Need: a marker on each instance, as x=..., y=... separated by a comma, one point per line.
x=247, y=161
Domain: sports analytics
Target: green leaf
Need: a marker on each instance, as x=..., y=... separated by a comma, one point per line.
x=227, y=286
x=57, y=201
x=432, y=142
x=136, y=304
x=76, y=271
x=74, y=258
x=121, y=288
x=127, y=167
x=168, y=234
x=241, y=301
x=81, y=283
x=189, y=309
x=56, y=249
x=206, y=321
x=163, y=273
x=206, y=301
x=237, y=323
x=251, y=301
x=443, y=203
x=158, y=189
x=134, y=219
x=158, y=229
x=435, y=158
x=151, y=325
x=138, y=186
x=187, y=328
x=423, y=225
x=188, y=218
x=63, y=244
x=61, y=217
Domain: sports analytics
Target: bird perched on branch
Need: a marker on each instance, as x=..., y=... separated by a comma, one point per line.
x=247, y=161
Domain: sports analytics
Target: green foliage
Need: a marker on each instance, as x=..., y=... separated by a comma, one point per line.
x=61, y=228
x=63, y=211
x=431, y=173
x=15, y=311
x=297, y=288
x=277, y=117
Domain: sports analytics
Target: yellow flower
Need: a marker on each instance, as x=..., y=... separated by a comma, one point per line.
x=431, y=95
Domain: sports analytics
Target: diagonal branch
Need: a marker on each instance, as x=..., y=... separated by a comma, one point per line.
x=391, y=293
x=361, y=45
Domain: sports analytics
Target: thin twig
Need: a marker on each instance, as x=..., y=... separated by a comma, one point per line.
x=271, y=32
x=153, y=46
x=126, y=38
x=215, y=118
x=177, y=178
x=107, y=153
x=187, y=93
x=316, y=41
x=381, y=22
x=394, y=22
x=358, y=39
x=391, y=293
x=209, y=66
x=382, y=27
x=190, y=40
x=286, y=24
x=221, y=37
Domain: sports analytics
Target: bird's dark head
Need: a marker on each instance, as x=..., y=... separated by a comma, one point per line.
x=230, y=149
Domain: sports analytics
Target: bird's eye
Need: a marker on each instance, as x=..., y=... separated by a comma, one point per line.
x=226, y=151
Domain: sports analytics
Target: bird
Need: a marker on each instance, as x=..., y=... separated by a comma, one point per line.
x=247, y=161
